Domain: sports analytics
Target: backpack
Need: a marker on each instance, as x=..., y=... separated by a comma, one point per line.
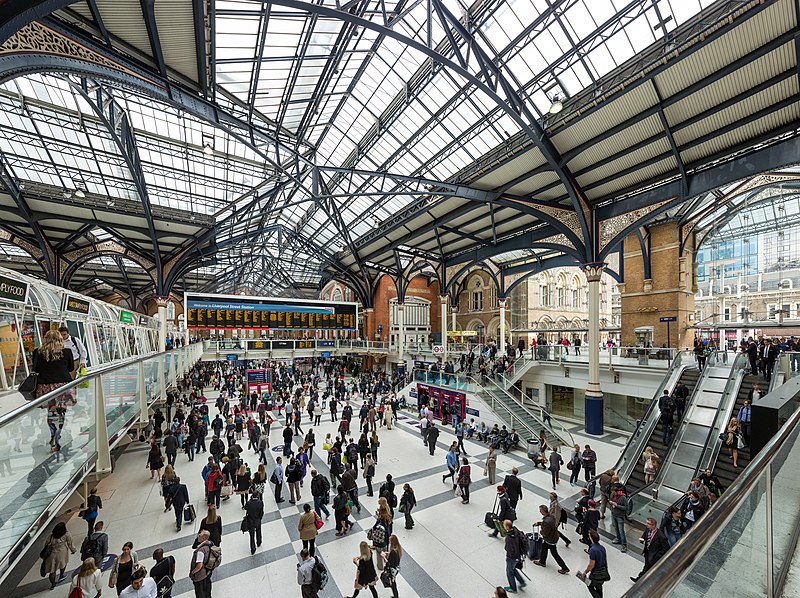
x=319, y=576
x=76, y=592
x=91, y=547
x=523, y=543
x=214, y=557
x=377, y=534
x=628, y=506
x=218, y=481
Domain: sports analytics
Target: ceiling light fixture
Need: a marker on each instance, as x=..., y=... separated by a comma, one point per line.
x=556, y=106
x=80, y=194
x=375, y=222
x=208, y=150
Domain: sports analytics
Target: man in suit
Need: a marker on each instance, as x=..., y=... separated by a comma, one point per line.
x=752, y=355
x=654, y=545
x=744, y=421
x=254, y=512
x=513, y=487
x=180, y=498
x=771, y=351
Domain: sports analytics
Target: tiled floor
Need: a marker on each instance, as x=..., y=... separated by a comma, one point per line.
x=448, y=553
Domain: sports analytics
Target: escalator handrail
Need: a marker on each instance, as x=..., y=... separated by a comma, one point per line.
x=564, y=433
x=562, y=437
x=689, y=403
x=97, y=373
x=668, y=573
x=713, y=443
x=648, y=424
x=510, y=413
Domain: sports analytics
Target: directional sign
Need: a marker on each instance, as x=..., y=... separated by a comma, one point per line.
x=668, y=319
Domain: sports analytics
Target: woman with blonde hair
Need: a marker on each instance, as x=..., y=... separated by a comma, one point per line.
x=650, y=464
x=212, y=522
x=731, y=439
x=392, y=558
x=168, y=482
x=88, y=579
x=366, y=576
x=54, y=365
x=574, y=464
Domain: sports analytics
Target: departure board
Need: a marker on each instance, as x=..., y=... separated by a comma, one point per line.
x=264, y=313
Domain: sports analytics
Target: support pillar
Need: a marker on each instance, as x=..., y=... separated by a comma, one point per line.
x=161, y=303
x=369, y=335
x=443, y=300
x=401, y=335
x=593, y=404
x=501, y=343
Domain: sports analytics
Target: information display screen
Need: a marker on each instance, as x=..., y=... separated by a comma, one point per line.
x=238, y=312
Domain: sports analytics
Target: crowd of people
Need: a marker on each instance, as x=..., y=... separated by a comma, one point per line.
x=364, y=408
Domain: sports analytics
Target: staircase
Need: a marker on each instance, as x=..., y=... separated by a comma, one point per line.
x=517, y=371
x=635, y=481
x=521, y=417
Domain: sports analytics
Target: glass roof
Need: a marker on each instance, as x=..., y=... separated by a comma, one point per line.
x=340, y=96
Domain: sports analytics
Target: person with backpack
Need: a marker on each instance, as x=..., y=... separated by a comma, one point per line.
x=202, y=566
x=464, y=480
x=87, y=582
x=214, y=483
x=163, y=572
x=320, y=489
x=516, y=548
x=305, y=575
x=95, y=545
x=559, y=516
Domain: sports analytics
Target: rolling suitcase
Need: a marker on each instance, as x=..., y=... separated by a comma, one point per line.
x=189, y=513
x=490, y=517
x=535, y=543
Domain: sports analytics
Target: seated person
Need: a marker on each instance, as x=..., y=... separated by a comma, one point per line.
x=512, y=441
x=483, y=432
x=471, y=428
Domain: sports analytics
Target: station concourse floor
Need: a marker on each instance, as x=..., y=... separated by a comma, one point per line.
x=447, y=554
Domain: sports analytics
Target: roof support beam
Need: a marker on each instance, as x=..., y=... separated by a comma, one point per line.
x=149, y=14
x=124, y=139
x=199, y=17
x=673, y=146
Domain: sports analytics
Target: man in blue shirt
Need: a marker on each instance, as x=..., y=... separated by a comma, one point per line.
x=597, y=569
x=744, y=421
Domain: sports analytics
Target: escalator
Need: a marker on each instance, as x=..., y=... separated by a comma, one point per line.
x=689, y=376
x=696, y=440
x=630, y=458
x=724, y=468
x=519, y=416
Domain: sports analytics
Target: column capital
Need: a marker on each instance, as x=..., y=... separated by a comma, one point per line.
x=502, y=302
x=161, y=301
x=444, y=299
x=369, y=310
x=593, y=270
x=401, y=306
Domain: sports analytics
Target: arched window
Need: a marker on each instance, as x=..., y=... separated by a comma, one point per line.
x=476, y=295
x=544, y=290
x=337, y=295
x=576, y=292
x=561, y=287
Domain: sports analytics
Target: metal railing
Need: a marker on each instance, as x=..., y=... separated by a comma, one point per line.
x=495, y=392
x=54, y=441
x=713, y=442
x=317, y=345
x=614, y=356
x=752, y=528
x=637, y=441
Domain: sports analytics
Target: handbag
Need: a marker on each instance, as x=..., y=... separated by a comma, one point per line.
x=164, y=585
x=245, y=527
x=28, y=387
x=82, y=374
x=387, y=577
x=459, y=492
x=273, y=479
x=318, y=523
x=46, y=551
x=600, y=574
x=740, y=443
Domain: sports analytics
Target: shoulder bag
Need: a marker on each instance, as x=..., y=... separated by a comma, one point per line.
x=28, y=387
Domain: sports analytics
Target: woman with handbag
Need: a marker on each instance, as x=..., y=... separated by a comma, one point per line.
x=93, y=505
x=155, y=461
x=88, y=579
x=731, y=440
x=122, y=570
x=366, y=576
x=52, y=365
x=309, y=528
x=391, y=569
x=407, y=503
x=56, y=552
